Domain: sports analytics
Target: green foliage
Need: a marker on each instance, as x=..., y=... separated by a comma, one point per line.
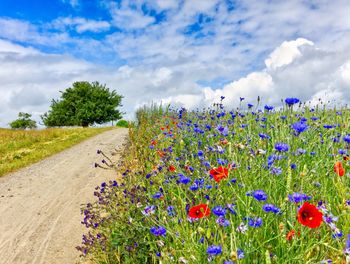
x=122, y=123
x=84, y=104
x=23, y=122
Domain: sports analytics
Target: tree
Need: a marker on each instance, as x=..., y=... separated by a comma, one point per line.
x=82, y=105
x=23, y=122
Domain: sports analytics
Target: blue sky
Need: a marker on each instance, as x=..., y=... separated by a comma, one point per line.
x=186, y=52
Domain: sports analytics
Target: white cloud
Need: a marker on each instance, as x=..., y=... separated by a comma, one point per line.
x=73, y=3
x=286, y=53
x=81, y=24
x=128, y=18
x=308, y=72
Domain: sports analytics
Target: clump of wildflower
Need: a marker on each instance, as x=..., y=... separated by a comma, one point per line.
x=158, y=231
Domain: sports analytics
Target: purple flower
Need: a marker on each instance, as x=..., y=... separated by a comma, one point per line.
x=281, y=147
x=150, y=209
x=219, y=211
x=160, y=231
x=214, y=250
x=259, y=195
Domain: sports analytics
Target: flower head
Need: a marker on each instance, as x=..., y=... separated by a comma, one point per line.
x=291, y=101
x=158, y=231
x=199, y=211
x=309, y=215
x=338, y=168
x=281, y=147
x=214, y=250
x=219, y=173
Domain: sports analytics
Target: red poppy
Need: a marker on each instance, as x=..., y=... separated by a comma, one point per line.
x=224, y=141
x=172, y=168
x=219, y=173
x=199, y=211
x=153, y=142
x=161, y=153
x=308, y=215
x=338, y=168
x=291, y=234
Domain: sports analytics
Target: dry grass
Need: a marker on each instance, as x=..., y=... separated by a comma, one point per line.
x=21, y=148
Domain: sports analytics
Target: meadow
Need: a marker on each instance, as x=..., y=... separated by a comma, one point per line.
x=256, y=184
x=19, y=148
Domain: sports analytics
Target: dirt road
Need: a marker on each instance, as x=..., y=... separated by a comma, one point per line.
x=40, y=205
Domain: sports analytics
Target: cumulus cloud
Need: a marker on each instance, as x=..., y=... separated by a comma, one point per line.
x=295, y=68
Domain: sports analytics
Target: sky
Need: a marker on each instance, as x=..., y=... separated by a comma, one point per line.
x=183, y=52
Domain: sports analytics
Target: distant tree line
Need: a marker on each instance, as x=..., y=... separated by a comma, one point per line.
x=83, y=104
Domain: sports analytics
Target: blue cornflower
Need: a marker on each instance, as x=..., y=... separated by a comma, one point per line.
x=221, y=161
x=293, y=166
x=263, y=136
x=158, y=231
x=268, y=107
x=298, y=197
x=283, y=117
x=158, y=195
x=250, y=106
x=241, y=99
x=300, y=152
x=150, y=209
x=184, y=180
x=276, y=170
x=255, y=222
x=281, y=147
x=222, y=221
x=170, y=210
x=240, y=253
x=200, y=153
x=328, y=126
x=214, y=250
x=291, y=101
x=219, y=211
x=271, y=208
x=347, y=138
x=223, y=130
x=194, y=187
x=300, y=127
x=259, y=195
x=231, y=207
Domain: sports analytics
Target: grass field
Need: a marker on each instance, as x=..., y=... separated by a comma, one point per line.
x=252, y=185
x=20, y=148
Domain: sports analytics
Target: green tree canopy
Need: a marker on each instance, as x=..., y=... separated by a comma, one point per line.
x=82, y=105
x=23, y=122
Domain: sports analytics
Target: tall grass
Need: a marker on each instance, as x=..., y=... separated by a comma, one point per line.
x=146, y=217
x=19, y=148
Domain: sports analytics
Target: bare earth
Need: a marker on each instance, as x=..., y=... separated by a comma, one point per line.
x=40, y=205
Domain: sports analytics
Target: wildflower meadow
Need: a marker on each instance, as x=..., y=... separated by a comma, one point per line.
x=255, y=184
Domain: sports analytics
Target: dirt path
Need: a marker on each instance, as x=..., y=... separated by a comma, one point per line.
x=40, y=205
